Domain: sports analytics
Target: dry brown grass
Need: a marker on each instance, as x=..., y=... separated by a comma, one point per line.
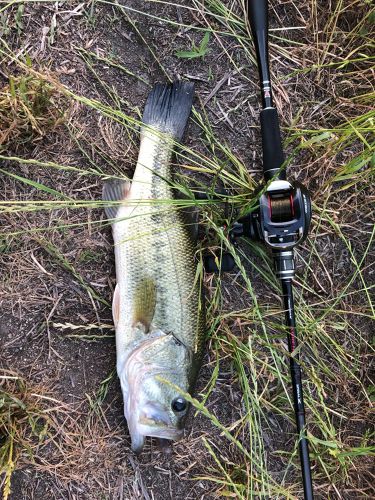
x=29, y=109
x=54, y=438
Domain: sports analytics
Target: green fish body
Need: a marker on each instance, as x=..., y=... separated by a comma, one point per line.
x=156, y=305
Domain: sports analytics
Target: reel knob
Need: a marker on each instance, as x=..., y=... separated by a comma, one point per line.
x=226, y=263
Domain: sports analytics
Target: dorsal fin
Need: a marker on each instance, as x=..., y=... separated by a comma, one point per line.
x=144, y=303
x=115, y=190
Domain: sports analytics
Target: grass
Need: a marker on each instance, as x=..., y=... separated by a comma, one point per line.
x=28, y=111
x=195, y=52
x=24, y=424
x=322, y=68
x=51, y=437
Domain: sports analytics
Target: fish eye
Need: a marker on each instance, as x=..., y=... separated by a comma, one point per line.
x=179, y=405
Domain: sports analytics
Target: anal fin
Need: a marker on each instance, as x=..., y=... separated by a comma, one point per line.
x=191, y=216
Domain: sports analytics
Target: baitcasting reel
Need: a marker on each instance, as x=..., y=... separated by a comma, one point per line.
x=281, y=221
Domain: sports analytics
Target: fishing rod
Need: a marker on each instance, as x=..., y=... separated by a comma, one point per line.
x=281, y=221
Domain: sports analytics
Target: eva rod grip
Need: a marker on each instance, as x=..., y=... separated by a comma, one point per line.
x=257, y=11
x=273, y=156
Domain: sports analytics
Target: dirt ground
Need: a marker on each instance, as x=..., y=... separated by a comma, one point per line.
x=57, y=265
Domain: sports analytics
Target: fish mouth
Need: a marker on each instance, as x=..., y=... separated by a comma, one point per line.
x=170, y=433
x=153, y=421
x=139, y=435
x=144, y=430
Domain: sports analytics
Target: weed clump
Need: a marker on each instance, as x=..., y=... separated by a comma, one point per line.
x=22, y=425
x=29, y=109
x=53, y=437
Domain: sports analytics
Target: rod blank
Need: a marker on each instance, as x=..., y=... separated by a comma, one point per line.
x=296, y=376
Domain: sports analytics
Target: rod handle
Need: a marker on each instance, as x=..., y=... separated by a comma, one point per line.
x=273, y=156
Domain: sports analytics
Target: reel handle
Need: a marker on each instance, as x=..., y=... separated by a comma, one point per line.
x=226, y=263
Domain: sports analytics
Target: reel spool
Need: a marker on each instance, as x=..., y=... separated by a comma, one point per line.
x=284, y=215
x=281, y=209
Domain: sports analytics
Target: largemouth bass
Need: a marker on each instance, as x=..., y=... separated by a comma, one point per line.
x=156, y=305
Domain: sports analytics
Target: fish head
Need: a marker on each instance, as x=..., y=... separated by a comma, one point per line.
x=154, y=378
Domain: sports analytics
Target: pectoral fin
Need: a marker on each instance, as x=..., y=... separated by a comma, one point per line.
x=116, y=305
x=191, y=215
x=144, y=303
x=115, y=191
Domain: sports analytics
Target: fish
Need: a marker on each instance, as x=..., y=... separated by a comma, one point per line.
x=157, y=304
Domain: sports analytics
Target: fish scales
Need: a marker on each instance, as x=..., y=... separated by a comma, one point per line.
x=158, y=246
x=157, y=312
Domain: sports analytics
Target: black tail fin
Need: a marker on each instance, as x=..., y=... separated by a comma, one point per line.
x=168, y=107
